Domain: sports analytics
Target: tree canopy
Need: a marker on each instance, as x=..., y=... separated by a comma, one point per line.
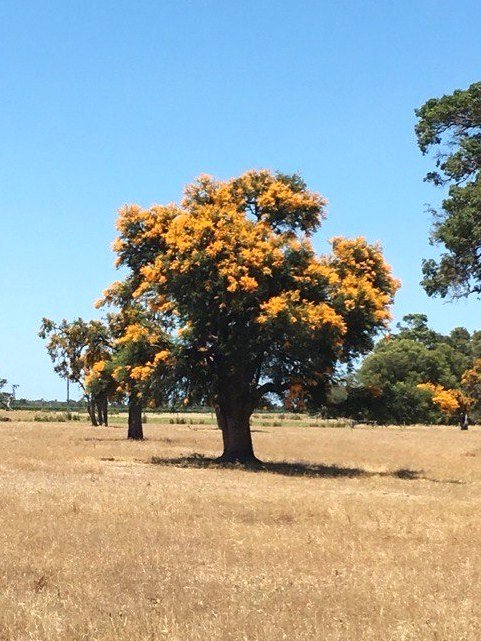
x=413, y=368
x=451, y=125
x=233, y=278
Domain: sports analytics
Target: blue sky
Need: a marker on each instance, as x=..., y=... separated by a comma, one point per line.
x=104, y=103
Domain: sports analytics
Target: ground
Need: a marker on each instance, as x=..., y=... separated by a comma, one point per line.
x=373, y=534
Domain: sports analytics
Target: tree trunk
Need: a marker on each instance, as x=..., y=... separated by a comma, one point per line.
x=135, y=418
x=464, y=421
x=105, y=410
x=101, y=404
x=234, y=421
x=98, y=408
x=91, y=410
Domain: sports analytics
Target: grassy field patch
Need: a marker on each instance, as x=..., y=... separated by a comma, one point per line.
x=364, y=534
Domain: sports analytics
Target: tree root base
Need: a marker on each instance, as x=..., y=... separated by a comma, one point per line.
x=246, y=461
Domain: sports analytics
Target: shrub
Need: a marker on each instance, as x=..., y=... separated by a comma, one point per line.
x=50, y=418
x=71, y=417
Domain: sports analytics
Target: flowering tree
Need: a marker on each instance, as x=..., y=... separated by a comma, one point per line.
x=471, y=381
x=233, y=278
x=448, y=401
x=140, y=364
x=76, y=349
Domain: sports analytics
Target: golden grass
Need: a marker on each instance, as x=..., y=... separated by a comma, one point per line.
x=375, y=535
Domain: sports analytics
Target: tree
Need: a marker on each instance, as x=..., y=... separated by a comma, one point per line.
x=75, y=348
x=452, y=125
x=414, y=355
x=449, y=401
x=252, y=311
x=415, y=327
x=471, y=382
x=140, y=364
x=5, y=399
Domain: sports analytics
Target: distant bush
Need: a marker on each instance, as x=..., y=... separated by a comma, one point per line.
x=69, y=416
x=5, y=419
x=51, y=418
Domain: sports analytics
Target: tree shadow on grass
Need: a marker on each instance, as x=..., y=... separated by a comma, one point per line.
x=284, y=468
x=297, y=469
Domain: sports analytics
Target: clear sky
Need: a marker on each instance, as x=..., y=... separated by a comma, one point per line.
x=108, y=102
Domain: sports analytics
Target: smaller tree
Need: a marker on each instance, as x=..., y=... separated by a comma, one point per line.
x=449, y=401
x=101, y=388
x=124, y=356
x=5, y=398
x=140, y=366
x=415, y=327
x=74, y=348
x=471, y=383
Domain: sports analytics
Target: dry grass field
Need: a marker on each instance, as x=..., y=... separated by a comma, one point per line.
x=368, y=534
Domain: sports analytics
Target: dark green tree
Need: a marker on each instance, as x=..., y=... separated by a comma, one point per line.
x=415, y=327
x=5, y=398
x=385, y=387
x=451, y=126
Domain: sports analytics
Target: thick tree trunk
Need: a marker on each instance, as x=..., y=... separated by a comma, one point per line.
x=234, y=421
x=135, y=418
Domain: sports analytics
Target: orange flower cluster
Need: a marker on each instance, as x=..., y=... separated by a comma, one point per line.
x=294, y=399
x=448, y=401
x=365, y=281
x=148, y=360
x=471, y=379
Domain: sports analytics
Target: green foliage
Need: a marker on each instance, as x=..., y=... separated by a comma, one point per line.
x=385, y=387
x=405, y=360
x=452, y=126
